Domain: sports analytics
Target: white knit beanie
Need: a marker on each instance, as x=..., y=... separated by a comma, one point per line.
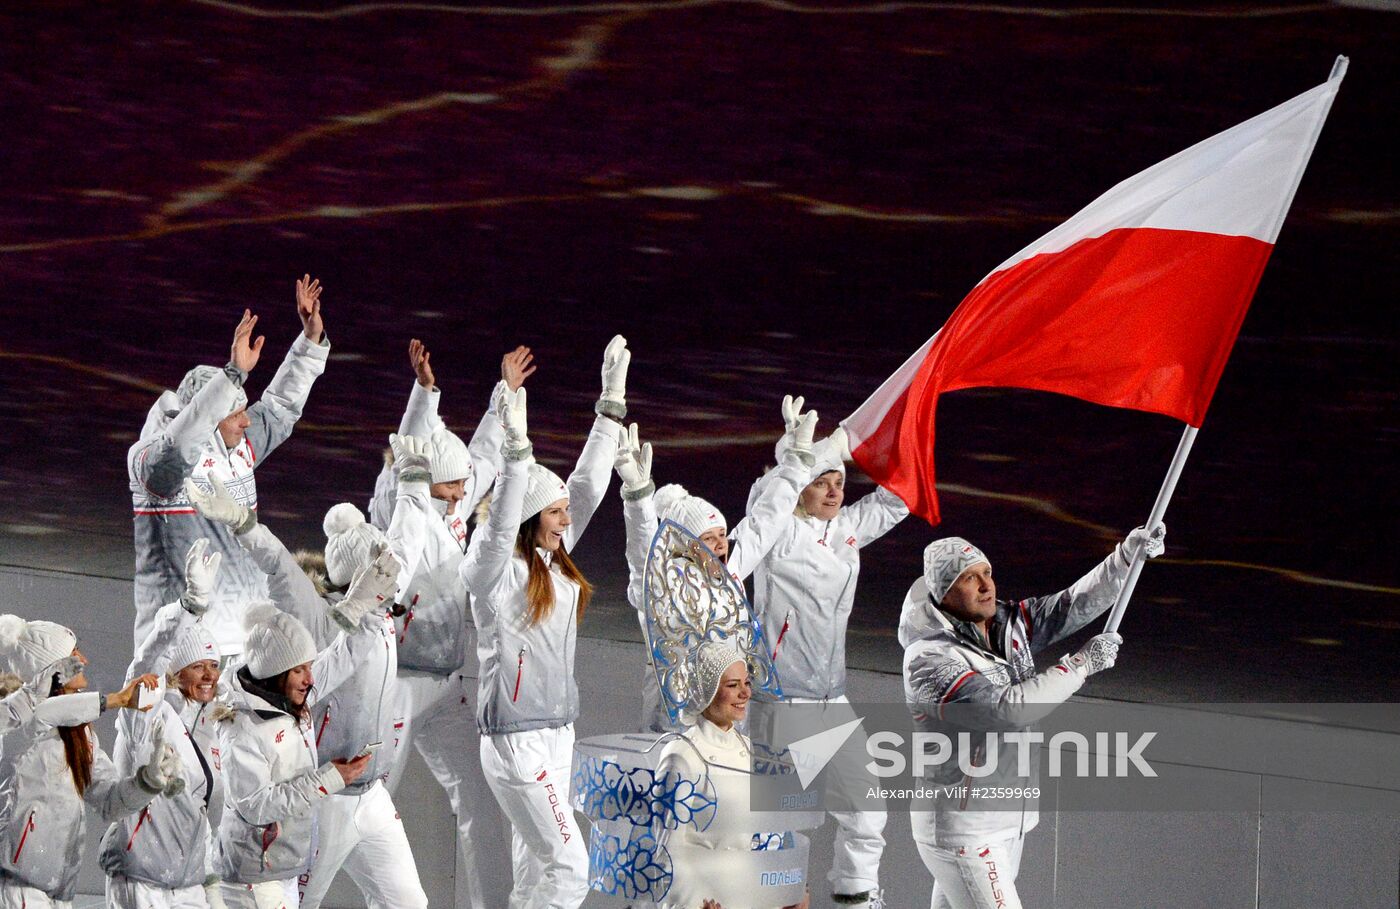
x=197, y=378
x=193, y=645
x=28, y=648
x=708, y=663
x=945, y=560
x=674, y=503
x=450, y=460
x=545, y=489
x=275, y=641
x=349, y=539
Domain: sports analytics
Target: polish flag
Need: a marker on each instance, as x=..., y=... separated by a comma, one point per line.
x=1134, y=302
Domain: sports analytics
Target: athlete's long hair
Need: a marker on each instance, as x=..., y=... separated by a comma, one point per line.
x=77, y=747
x=539, y=590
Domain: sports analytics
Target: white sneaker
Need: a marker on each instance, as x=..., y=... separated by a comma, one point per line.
x=870, y=899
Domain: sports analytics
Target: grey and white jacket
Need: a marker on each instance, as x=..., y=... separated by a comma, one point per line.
x=273, y=778
x=527, y=672
x=956, y=681
x=805, y=588
x=363, y=708
x=167, y=843
x=43, y=820
x=436, y=634
x=184, y=442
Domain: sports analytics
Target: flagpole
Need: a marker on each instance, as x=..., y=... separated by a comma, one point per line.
x=1159, y=510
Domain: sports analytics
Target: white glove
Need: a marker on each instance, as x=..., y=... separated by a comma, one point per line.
x=1096, y=656
x=218, y=505
x=65, y=670
x=616, y=358
x=633, y=464
x=510, y=406
x=371, y=586
x=201, y=570
x=411, y=457
x=800, y=428
x=162, y=772
x=792, y=412
x=1150, y=544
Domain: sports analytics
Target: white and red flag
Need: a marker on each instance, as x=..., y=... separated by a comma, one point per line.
x=1134, y=302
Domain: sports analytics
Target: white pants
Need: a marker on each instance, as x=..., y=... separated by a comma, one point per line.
x=969, y=877
x=267, y=895
x=364, y=834
x=124, y=893
x=14, y=895
x=860, y=840
x=529, y=773
x=441, y=723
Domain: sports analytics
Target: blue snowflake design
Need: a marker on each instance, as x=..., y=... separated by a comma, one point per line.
x=639, y=869
x=605, y=791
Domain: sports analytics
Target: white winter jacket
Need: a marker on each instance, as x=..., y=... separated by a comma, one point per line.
x=527, y=672
x=43, y=820
x=994, y=684
x=273, y=778
x=363, y=707
x=177, y=443
x=435, y=631
x=166, y=844
x=805, y=587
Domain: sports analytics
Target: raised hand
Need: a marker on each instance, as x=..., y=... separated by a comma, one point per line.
x=510, y=406
x=372, y=585
x=633, y=461
x=412, y=457
x=418, y=358
x=246, y=348
x=616, y=358
x=201, y=569
x=792, y=411
x=516, y=368
x=309, y=308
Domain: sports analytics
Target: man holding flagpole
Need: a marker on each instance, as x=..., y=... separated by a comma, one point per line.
x=1133, y=302
x=969, y=662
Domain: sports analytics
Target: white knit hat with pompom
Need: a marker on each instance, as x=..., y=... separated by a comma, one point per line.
x=27, y=648
x=674, y=503
x=275, y=641
x=349, y=539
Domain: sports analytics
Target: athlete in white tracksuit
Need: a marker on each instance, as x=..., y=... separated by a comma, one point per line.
x=741, y=550
x=207, y=431
x=159, y=858
x=42, y=810
x=274, y=779
x=437, y=643
x=968, y=665
x=527, y=695
x=360, y=829
x=804, y=590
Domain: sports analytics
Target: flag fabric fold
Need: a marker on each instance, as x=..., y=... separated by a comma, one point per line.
x=1134, y=302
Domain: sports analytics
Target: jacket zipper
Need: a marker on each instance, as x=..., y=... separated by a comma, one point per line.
x=269, y=836
x=325, y=720
x=787, y=621
x=141, y=819
x=408, y=617
x=519, y=671
x=28, y=829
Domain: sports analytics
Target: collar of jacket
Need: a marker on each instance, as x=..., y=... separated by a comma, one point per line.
x=970, y=633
